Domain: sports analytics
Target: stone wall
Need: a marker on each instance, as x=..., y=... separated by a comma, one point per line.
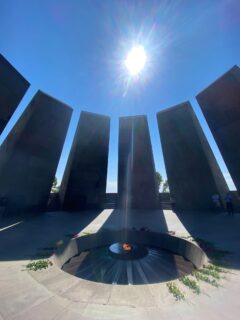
x=29, y=155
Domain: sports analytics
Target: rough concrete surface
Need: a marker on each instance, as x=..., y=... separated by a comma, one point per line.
x=192, y=170
x=29, y=155
x=220, y=104
x=13, y=87
x=137, y=188
x=85, y=177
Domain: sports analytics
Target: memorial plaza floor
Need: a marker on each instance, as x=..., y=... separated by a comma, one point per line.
x=54, y=294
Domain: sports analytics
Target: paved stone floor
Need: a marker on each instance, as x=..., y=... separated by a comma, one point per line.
x=54, y=294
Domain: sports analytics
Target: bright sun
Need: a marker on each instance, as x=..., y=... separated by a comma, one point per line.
x=136, y=60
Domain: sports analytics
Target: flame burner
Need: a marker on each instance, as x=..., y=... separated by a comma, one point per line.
x=127, y=251
x=127, y=247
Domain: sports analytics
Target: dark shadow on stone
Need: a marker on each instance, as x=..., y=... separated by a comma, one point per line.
x=84, y=181
x=30, y=237
x=13, y=87
x=217, y=234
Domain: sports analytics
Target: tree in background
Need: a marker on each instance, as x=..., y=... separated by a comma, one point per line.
x=55, y=187
x=161, y=183
x=165, y=186
x=159, y=180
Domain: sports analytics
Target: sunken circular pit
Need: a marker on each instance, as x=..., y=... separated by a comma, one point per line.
x=129, y=257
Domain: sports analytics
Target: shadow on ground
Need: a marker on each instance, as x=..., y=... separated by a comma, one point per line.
x=24, y=238
x=216, y=233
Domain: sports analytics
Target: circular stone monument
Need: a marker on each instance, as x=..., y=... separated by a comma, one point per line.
x=132, y=257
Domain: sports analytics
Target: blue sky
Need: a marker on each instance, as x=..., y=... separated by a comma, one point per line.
x=73, y=50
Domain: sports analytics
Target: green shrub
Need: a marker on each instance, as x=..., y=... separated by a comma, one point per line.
x=175, y=291
x=38, y=265
x=205, y=278
x=214, y=268
x=209, y=272
x=192, y=284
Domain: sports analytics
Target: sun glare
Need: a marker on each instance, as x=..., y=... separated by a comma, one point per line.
x=136, y=60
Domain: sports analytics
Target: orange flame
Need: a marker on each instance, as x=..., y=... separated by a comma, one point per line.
x=127, y=247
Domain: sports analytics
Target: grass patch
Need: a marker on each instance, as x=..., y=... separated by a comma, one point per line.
x=175, y=291
x=209, y=272
x=192, y=284
x=39, y=265
x=214, y=267
x=203, y=277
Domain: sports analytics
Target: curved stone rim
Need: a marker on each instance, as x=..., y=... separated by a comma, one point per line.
x=173, y=244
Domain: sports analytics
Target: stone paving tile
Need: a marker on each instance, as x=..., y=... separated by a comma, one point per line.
x=131, y=296
x=110, y=312
x=14, y=302
x=101, y=295
x=160, y=294
x=45, y=274
x=50, y=309
x=60, y=283
x=74, y=310
x=69, y=315
x=82, y=291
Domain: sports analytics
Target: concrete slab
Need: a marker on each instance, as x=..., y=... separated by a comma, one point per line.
x=13, y=87
x=85, y=177
x=29, y=155
x=192, y=170
x=50, y=309
x=137, y=188
x=220, y=104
